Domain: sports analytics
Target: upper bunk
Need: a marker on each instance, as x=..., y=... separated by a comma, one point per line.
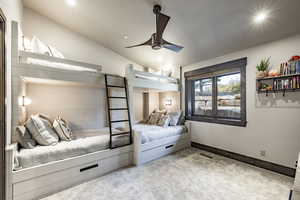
x=141, y=79
x=28, y=64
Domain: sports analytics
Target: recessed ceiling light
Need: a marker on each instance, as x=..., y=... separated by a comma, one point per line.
x=125, y=37
x=260, y=17
x=71, y=2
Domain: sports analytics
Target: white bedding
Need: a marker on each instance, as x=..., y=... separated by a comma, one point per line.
x=83, y=143
x=150, y=133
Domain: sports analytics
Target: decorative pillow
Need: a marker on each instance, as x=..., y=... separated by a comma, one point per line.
x=24, y=138
x=164, y=121
x=62, y=129
x=55, y=52
x=154, y=118
x=26, y=44
x=174, y=117
x=39, y=47
x=41, y=130
x=181, y=119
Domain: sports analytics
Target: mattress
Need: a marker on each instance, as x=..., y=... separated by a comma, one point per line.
x=151, y=133
x=83, y=143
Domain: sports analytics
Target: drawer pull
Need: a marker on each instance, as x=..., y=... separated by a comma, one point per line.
x=169, y=146
x=89, y=167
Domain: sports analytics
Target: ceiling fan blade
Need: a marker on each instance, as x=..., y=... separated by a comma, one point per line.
x=172, y=47
x=149, y=42
x=161, y=24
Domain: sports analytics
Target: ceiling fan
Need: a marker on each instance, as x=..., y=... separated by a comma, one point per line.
x=156, y=41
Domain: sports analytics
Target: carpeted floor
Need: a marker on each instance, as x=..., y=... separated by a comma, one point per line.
x=186, y=175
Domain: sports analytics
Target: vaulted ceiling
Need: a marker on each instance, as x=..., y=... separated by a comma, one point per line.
x=206, y=28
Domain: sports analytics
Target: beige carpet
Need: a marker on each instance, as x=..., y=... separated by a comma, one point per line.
x=186, y=175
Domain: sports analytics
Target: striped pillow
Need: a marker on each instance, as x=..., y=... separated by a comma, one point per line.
x=62, y=129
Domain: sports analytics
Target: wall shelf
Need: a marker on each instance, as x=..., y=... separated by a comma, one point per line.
x=279, y=84
x=278, y=77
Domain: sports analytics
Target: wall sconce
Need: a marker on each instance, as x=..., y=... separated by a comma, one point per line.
x=24, y=101
x=168, y=102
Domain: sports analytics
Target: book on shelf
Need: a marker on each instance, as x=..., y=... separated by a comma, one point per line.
x=292, y=67
x=287, y=83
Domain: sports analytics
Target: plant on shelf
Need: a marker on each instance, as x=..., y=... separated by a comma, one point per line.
x=262, y=68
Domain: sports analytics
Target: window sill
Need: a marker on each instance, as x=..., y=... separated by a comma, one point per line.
x=231, y=122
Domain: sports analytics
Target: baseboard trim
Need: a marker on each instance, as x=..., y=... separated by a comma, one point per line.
x=249, y=160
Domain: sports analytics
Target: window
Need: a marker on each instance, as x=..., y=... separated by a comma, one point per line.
x=217, y=93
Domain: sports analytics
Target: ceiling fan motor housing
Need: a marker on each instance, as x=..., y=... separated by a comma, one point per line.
x=156, y=41
x=156, y=9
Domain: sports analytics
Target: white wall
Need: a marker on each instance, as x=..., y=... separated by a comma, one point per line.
x=13, y=10
x=73, y=45
x=138, y=106
x=83, y=107
x=174, y=97
x=273, y=122
x=153, y=101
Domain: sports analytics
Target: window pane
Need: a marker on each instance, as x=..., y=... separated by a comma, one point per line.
x=229, y=96
x=203, y=97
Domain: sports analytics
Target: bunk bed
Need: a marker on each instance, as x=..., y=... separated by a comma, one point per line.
x=152, y=141
x=45, y=170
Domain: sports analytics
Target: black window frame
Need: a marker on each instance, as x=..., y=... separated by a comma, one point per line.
x=214, y=72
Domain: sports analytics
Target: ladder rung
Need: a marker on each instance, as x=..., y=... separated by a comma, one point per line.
x=113, y=75
x=115, y=86
x=123, y=133
x=115, y=147
x=118, y=108
x=117, y=97
x=119, y=121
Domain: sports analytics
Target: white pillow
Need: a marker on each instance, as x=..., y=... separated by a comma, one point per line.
x=41, y=130
x=55, y=52
x=62, y=129
x=174, y=116
x=27, y=44
x=39, y=47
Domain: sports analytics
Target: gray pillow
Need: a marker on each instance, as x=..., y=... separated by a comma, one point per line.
x=41, y=130
x=181, y=120
x=24, y=138
x=174, y=117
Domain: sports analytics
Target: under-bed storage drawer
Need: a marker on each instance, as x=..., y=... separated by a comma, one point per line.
x=157, y=152
x=54, y=182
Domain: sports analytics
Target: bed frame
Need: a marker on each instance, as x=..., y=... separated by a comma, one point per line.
x=40, y=181
x=147, y=152
x=43, y=180
x=140, y=79
x=144, y=153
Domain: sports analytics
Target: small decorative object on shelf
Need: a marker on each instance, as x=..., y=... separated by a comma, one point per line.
x=262, y=68
x=286, y=79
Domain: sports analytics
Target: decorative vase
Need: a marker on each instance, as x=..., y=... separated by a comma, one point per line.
x=261, y=74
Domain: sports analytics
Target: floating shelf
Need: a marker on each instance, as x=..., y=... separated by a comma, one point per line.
x=281, y=90
x=275, y=80
x=277, y=77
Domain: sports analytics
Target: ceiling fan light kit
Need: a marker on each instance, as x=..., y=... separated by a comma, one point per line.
x=156, y=41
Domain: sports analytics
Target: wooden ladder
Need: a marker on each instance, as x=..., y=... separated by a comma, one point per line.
x=110, y=109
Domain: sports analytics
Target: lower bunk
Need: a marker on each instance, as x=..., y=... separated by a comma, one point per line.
x=153, y=142
x=45, y=170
